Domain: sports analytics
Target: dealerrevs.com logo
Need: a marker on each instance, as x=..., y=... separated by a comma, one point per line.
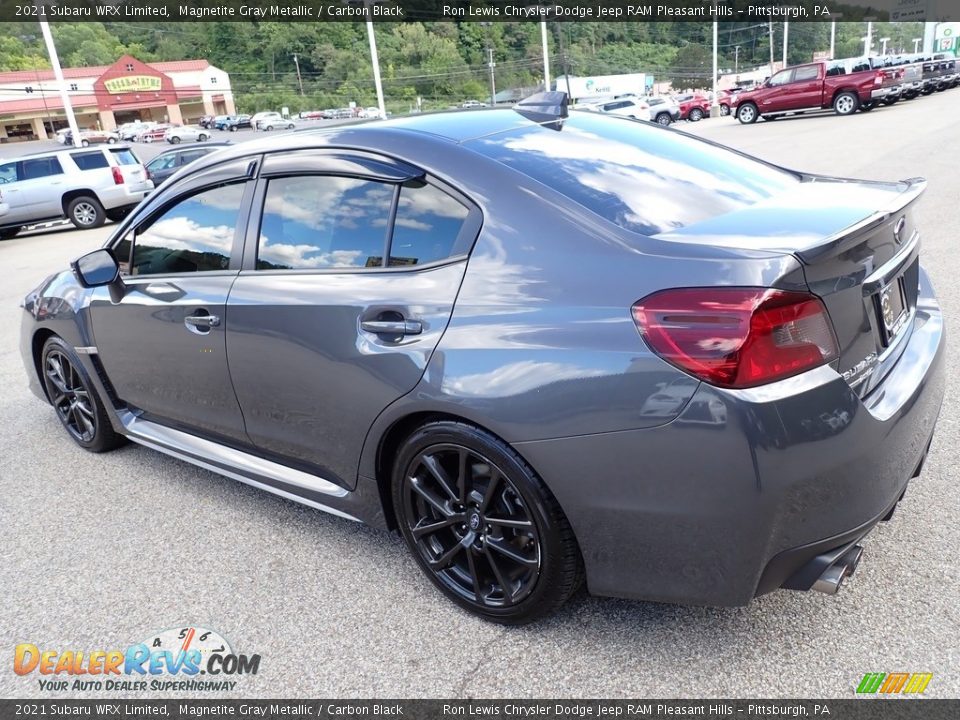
x=188, y=658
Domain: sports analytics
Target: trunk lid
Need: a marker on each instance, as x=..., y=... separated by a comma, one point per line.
x=859, y=249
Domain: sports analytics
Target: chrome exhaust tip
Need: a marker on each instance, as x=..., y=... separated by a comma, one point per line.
x=832, y=578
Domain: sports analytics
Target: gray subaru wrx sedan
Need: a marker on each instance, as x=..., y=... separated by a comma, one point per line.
x=545, y=348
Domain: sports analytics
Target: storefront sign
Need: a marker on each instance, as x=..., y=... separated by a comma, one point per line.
x=132, y=83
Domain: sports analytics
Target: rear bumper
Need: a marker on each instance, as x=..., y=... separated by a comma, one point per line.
x=886, y=93
x=126, y=195
x=699, y=510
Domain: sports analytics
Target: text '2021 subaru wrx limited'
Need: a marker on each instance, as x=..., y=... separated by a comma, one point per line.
x=544, y=346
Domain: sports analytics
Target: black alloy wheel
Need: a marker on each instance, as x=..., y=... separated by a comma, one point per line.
x=482, y=526
x=74, y=399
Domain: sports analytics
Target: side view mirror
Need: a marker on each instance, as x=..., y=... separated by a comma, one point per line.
x=96, y=269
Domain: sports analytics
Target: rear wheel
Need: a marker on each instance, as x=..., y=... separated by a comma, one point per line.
x=867, y=107
x=175, y=140
x=86, y=212
x=846, y=103
x=664, y=119
x=747, y=113
x=724, y=110
x=111, y=140
x=886, y=101
x=117, y=215
x=201, y=137
x=481, y=524
x=84, y=143
x=696, y=115
x=78, y=407
x=233, y=128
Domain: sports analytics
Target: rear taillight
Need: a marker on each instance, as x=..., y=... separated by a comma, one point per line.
x=117, y=176
x=737, y=337
x=878, y=80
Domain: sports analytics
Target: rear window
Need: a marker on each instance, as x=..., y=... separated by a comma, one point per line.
x=633, y=174
x=90, y=160
x=125, y=156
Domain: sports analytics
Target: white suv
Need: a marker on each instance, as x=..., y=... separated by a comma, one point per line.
x=626, y=107
x=85, y=185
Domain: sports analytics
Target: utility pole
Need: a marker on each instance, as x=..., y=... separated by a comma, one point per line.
x=833, y=39
x=736, y=60
x=884, y=41
x=546, y=56
x=715, y=101
x=786, y=32
x=771, y=48
x=493, y=85
x=296, y=61
x=868, y=40
x=58, y=74
x=916, y=45
x=563, y=60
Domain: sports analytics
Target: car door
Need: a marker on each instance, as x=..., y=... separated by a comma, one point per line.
x=348, y=282
x=12, y=197
x=39, y=188
x=163, y=343
x=805, y=88
x=773, y=97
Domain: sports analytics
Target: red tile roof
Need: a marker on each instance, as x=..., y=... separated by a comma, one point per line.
x=96, y=71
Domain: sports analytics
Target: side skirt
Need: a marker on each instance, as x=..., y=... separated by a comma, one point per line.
x=264, y=474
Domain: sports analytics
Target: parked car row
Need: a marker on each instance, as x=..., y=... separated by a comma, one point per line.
x=845, y=85
x=661, y=110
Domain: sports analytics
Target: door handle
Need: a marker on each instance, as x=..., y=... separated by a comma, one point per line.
x=202, y=320
x=392, y=327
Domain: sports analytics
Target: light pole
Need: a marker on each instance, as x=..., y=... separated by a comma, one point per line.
x=493, y=86
x=296, y=61
x=546, y=56
x=786, y=32
x=771, y=48
x=58, y=74
x=916, y=44
x=883, y=49
x=375, y=58
x=868, y=39
x=736, y=60
x=715, y=101
x=833, y=39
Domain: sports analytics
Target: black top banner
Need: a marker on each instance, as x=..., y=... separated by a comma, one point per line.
x=478, y=10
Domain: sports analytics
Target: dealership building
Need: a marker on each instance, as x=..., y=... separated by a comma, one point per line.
x=106, y=96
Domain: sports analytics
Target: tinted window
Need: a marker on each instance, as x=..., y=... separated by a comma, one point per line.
x=190, y=155
x=90, y=160
x=633, y=174
x=324, y=221
x=8, y=173
x=835, y=69
x=805, y=73
x=427, y=225
x=125, y=156
x=40, y=168
x=195, y=235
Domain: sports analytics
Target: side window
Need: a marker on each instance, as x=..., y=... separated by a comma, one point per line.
x=41, y=168
x=781, y=78
x=808, y=72
x=90, y=160
x=835, y=69
x=427, y=225
x=195, y=235
x=190, y=155
x=323, y=221
x=8, y=173
x=164, y=162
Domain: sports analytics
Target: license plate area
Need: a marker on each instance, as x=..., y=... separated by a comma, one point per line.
x=891, y=306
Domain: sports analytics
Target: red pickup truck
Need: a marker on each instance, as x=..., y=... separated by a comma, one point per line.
x=844, y=85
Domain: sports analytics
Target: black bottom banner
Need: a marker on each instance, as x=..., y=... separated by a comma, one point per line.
x=853, y=709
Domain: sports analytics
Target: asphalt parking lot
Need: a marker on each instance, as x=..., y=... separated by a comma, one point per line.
x=101, y=551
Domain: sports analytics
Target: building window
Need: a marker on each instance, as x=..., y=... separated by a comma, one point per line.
x=28, y=89
x=213, y=81
x=73, y=86
x=129, y=67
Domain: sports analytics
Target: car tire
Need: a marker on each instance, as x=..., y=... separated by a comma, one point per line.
x=84, y=143
x=233, y=128
x=201, y=137
x=74, y=398
x=867, y=107
x=111, y=140
x=86, y=212
x=769, y=118
x=175, y=140
x=724, y=110
x=290, y=126
x=846, y=103
x=888, y=101
x=747, y=113
x=8, y=233
x=268, y=128
x=696, y=115
x=514, y=558
x=664, y=119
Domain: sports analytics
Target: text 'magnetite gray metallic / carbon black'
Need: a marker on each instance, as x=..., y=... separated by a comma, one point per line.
x=545, y=349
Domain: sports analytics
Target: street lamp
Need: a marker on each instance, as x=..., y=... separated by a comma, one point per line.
x=296, y=61
x=374, y=57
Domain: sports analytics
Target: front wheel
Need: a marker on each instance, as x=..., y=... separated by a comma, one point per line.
x=747, y=114
x=201, y=137
x=84, y=143
x=846, y=103
x=724, y=110
x=75, y=400
x=111, y=141
x=86, y=212
x=482, y=526
x=696, y=115
x=174, y=140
